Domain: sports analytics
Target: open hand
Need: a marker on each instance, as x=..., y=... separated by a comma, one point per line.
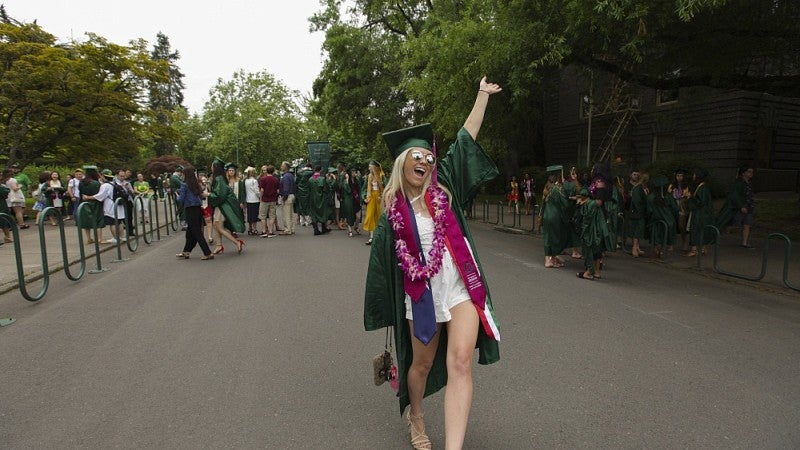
x=489, y=88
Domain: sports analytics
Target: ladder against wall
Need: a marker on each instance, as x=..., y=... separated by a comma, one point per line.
x=622, y=106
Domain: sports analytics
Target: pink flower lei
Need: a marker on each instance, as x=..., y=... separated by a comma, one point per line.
x=410, y=265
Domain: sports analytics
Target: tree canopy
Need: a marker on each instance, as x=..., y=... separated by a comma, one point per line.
x=72, y=102
x=390, y=63
x=251, y=119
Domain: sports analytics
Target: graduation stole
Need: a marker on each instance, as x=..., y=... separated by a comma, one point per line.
x=698, y=188
x=447, y=232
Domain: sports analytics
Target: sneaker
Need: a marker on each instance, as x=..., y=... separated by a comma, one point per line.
x=263, y=235
x=109, y=241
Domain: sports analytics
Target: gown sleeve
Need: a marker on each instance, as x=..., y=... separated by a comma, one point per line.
x=465, y=168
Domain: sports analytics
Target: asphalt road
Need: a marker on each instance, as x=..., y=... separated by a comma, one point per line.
x=267, y=350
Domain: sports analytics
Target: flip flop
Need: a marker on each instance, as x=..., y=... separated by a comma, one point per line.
x=580, y=275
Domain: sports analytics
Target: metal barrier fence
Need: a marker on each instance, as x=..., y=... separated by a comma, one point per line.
x=787, y=250
x=657, y=228
x=132, y=228
x=515, y=219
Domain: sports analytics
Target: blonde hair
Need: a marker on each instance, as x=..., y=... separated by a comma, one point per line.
x=397, y=181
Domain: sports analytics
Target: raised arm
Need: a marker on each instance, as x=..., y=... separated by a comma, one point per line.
x=475, y=118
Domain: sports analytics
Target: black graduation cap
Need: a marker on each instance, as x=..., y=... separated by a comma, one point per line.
x=400, y=140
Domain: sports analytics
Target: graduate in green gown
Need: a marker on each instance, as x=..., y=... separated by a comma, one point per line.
x=92, y=214
x=555, y=223
x=413, y=197
x=590, y=219
x=304, y=194
x=319, y=189
x=350, y=188
x=638, y=213
x=571, y=189
x=700, y=214
x=614, y=211
x=662, y=213
x=331, y=210
x=228, y=215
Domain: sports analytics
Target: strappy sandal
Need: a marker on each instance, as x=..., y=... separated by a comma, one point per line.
x=419, y=439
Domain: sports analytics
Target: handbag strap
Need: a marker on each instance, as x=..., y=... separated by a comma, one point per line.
x=389, y=339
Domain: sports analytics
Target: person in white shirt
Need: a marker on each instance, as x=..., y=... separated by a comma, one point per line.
x=106, y=195
x=253, y=200
x=73, y=187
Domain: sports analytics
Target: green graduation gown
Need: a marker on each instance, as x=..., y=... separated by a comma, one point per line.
x=573, y=237
x=350, y=205
x=700, y=215
x=92, y=214
x=304, y=192
x=637, y=216
x=555, y=224
x=593, y=230
x=612, y=216
x=666, y=210
x=222, y=196
x=319, y=198
x=465, y=168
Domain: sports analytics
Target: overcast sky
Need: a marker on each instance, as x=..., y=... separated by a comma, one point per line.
x=214, y=38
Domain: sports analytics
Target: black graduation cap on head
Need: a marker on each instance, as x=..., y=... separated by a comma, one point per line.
x=417, y=136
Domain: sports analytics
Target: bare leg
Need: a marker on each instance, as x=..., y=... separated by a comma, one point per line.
x=223, y=232
x=18, y=215
x=421, y=363
x=745, y=234
x=462, y=333
x=635, y=250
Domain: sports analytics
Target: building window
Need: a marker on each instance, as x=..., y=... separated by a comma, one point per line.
x=663, y=146
x=666, y=96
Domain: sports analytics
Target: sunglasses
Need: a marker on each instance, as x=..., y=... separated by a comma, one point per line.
x=417, y=155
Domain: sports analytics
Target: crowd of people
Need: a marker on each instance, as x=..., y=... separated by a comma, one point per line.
x=583, y=216
x=230, y=201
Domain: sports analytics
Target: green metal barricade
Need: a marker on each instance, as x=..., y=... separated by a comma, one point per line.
x=79, y=214
x=8, y=221
x=787, y=250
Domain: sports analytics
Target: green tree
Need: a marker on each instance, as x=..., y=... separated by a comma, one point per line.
x=359, y=92
x=253, y=119
x=72, y=102
x=165, y=97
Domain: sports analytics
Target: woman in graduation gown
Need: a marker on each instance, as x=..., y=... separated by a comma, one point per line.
x=436, y=299
x=700, y=213
x=92, y=214
x=662, y=210
x=590, y=220
x=555, y=224
x=228, y=216
x=638, y=214
x=350, y=204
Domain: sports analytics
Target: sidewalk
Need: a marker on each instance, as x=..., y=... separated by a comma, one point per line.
x=30, y=249
x=731, y=258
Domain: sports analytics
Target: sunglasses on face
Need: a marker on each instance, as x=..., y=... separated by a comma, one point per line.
x=417, y=155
